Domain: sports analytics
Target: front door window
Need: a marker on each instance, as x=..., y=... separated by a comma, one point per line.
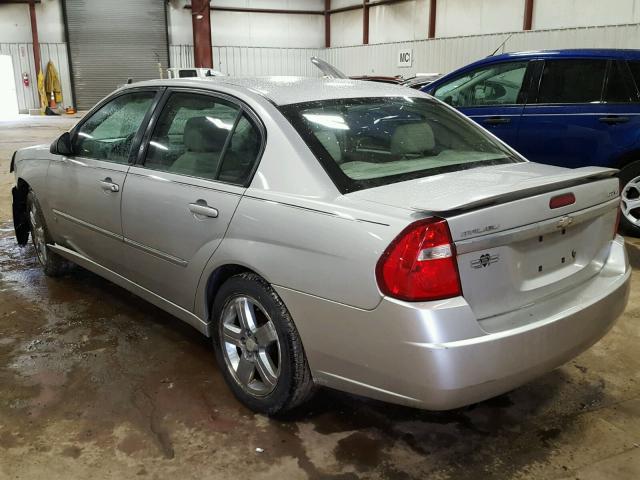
x=108, y=134
x=499, y=84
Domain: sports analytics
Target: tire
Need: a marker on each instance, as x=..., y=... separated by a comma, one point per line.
x=258, y=348
x=630, y=194
x=52, y=264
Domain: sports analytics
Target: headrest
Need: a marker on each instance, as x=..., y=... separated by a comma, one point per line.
x=412, y=138
x=201, y=134
x=329, y=141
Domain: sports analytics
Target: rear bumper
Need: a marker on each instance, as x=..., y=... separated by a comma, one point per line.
x=437, y=356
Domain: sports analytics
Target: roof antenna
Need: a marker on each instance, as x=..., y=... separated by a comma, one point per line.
x=129, y=81
x=501, y=45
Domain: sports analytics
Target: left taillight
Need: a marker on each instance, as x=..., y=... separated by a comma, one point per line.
x=420, y=264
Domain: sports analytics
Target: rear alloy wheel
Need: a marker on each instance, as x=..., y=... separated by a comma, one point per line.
x=630, y=199
x=258, y=347
x=250, y=346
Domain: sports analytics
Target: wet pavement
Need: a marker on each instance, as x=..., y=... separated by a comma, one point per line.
x=96, y=383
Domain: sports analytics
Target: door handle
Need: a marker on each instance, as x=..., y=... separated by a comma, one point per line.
x=496, y=120
x=203, y=209
x=613, y=119
x=108, y=186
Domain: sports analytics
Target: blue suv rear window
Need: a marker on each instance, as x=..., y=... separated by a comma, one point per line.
x=572, y=81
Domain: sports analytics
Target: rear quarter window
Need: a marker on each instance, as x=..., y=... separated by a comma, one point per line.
x=634, y=66
x=618, y=87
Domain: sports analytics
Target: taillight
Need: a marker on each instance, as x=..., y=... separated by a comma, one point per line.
x=420, y=264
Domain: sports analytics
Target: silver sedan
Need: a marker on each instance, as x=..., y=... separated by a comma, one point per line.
x=338, y=233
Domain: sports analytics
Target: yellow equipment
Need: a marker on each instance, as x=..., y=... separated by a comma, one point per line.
x=52, y=83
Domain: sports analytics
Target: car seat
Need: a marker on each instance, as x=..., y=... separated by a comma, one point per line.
x=203, y=141
x=412, y=139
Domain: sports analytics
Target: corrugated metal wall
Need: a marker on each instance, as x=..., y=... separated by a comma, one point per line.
x=255, y=61
x=23, y=62
x=113, y=40
x=252, y=61
x=446, y=54
x=438, y=55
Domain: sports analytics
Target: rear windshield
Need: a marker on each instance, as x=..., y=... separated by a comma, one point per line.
x=368, y=142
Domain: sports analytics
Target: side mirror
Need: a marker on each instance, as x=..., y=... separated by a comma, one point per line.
x=62, y=145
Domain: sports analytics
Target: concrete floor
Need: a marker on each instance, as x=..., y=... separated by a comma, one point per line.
x=96, y=383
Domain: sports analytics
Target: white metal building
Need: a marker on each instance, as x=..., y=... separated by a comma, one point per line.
x=252, y=37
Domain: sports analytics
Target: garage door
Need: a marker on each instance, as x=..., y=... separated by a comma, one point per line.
x=111, y=41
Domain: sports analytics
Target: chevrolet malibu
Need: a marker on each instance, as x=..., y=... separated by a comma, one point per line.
x=354, y=235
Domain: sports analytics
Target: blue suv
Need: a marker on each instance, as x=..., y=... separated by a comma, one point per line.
x=571, y=108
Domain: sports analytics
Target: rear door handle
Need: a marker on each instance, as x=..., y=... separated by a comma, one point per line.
x=496, y=120
x=203, y=209
x=108, y=185
x=613, y=119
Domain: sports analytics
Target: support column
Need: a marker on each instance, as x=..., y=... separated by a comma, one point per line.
x=365, y=22
x=433, y=5
x=34, y=36
x=201, y=22
x=327, y=23
x=528, y=15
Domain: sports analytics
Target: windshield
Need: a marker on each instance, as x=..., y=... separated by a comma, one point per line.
x=367, y=142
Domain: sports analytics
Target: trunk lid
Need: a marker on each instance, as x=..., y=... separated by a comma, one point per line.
x=512, y=248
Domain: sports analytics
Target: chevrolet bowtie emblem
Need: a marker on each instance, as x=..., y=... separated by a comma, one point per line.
x=564, y=222
x=485, y=260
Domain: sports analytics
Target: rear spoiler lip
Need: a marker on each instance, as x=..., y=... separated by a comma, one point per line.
x=531, y=187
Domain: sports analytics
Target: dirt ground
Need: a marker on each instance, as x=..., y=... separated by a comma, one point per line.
x=96, y=383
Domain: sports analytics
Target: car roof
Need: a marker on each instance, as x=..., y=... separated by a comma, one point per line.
x=282, y=90
x=567, y=53
x=627, y=54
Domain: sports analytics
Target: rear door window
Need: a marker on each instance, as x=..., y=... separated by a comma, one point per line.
x=206, y=137
x=572, y=81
